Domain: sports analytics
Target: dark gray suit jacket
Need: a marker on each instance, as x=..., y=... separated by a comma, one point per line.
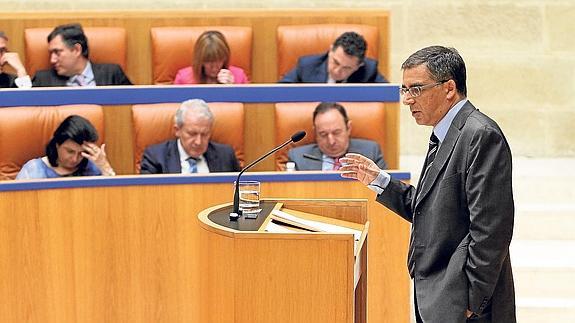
x=104, y=74
x=7, y=80
x=164, y=158
x=462, y=223
x=367, y=148
x=313, y=69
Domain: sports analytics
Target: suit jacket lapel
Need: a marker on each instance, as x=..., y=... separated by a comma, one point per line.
x=98, y=77
x=316, y=164
x=444, y=152
x=211, y=159
x=173, y=158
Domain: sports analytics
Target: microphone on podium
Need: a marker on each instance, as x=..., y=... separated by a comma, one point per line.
x=236, y=207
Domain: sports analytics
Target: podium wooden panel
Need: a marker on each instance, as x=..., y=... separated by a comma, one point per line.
x=128, y=249
x=284, y=277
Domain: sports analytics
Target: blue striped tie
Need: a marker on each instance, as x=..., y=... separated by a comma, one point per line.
x=193, y=165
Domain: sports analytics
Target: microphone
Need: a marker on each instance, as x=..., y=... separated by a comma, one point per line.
x=316, y=158
x=236, y=210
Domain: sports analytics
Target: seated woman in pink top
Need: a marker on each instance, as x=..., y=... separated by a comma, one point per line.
x=210, y=64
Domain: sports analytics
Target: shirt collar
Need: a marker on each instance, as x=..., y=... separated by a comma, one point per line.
x=440, y=130
x=184, y=155
x=88, y=74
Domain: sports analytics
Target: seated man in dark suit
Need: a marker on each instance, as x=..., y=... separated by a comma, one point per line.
x=332, y=130
x=69, y=56
x=345, y=62
x=7, y=58
x=192, y=152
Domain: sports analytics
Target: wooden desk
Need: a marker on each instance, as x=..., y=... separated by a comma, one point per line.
x=127, y=249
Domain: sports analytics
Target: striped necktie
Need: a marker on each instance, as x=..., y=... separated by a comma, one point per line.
x=431, y=152
x=336, y=164
x=193, y=165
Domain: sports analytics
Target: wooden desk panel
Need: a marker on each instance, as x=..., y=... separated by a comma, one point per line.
x=129, y=253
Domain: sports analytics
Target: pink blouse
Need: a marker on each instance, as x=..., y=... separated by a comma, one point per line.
x=186, y=76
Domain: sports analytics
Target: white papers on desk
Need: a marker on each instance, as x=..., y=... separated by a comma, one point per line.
x=318, y=226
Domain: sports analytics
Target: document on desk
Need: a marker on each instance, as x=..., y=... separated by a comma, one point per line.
x=314, y=226
x=275, y=228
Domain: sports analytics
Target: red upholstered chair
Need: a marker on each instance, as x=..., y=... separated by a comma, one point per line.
x=301, y=40
x=106, y=44
x=154, y=123
x=367, y=120
x=173, y=49
x=25, y=131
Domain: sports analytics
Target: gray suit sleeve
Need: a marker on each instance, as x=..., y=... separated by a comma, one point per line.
x=398, y=197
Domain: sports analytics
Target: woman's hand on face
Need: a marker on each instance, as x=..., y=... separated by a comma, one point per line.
x=225, y=76
x=98, y=156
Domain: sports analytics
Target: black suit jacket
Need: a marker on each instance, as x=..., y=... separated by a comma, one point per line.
x=313, y=69
x=7, y=80
x=104, y=74
x=164, y=158
x=462, y=222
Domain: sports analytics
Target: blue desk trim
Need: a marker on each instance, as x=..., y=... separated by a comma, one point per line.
x=246, y=93
x=141, y=180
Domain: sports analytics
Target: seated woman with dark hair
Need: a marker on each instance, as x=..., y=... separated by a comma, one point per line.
x=72, y=151
x=211, y=63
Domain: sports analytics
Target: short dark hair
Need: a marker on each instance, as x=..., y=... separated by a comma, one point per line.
x=352, y=44
x=3, y=35
x=72, y=34
x=75, y=128
x=443, y=63
x=326, y=106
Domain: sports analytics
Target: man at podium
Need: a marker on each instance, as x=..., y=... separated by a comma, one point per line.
x=462, y=209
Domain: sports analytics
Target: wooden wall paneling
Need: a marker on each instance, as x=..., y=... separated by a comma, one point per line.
x=119, y=138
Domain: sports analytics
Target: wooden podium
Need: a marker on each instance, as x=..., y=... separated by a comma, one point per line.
x=133, y=249
x=251, y=275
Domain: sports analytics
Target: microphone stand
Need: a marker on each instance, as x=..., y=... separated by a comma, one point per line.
x=236, y=213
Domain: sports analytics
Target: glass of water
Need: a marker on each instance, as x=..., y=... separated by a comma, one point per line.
x=249, y=198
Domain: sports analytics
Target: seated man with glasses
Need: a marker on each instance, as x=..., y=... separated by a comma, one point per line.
x=7, y=58
x=344, y=62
